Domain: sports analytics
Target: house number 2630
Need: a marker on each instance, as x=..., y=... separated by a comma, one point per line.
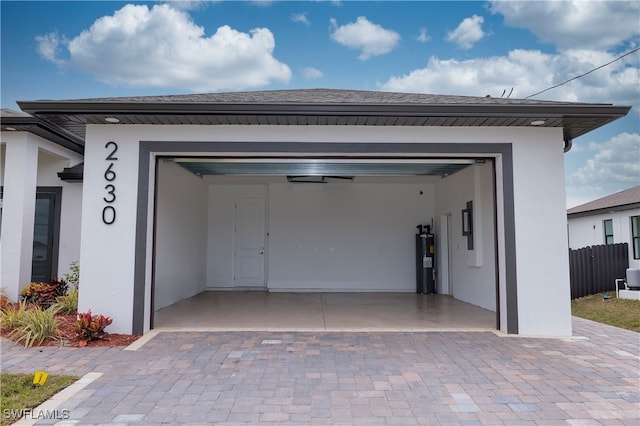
x=109, y=211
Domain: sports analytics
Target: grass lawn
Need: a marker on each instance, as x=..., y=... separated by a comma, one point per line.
x=623, y=313
x=18, y=394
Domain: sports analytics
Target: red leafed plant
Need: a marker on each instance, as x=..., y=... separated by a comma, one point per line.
x=44, y=294
x=91, y=327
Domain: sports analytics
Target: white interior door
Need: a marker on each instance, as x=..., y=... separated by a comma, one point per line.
x=249, y=238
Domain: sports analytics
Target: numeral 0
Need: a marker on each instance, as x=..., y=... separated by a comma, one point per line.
x=109, y=215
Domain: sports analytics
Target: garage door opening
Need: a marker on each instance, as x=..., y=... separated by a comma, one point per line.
x=332, y=236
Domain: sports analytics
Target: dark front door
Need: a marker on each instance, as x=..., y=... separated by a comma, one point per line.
x=46, y=232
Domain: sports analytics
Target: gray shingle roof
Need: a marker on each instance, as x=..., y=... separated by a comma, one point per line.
x=322, y=107
x=10, y=113
x=625, y=199
x=326, y=96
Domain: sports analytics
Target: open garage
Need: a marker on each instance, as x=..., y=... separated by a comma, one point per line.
x=314, y=192
x=322, y=225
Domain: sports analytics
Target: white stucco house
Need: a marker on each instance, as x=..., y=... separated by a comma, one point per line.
x=164, y=197
x=608, y=220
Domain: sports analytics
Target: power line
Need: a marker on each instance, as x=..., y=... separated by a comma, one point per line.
x=586, y=73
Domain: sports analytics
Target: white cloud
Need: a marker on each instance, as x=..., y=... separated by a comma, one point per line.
x=576, y=24
x=371, y=39
x=617, y=161
x=312, y=73
x=300, y=17
x=528, y=72
x=479, y=76
x=163, y=47
x=423, y=37
x=468, y=32
x=615, y=165
x=187, y=4
x=49, y=46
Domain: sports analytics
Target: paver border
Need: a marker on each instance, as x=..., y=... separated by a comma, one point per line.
x=57, y=400
x=154, y=332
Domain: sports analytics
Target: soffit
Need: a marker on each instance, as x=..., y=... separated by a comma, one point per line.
x=324, y=107
x=14, y=121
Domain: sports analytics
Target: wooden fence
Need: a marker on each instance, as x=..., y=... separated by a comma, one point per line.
x=594, y=269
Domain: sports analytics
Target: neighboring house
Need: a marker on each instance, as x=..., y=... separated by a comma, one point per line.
x=164, y=197
x=608, y=220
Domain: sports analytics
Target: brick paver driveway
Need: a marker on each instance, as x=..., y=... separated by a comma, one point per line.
x=352, y=378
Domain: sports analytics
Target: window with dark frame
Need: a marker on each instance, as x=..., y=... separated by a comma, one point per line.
x=635, y=236
x=46, y=233
x=467, y=224
x=608, y=231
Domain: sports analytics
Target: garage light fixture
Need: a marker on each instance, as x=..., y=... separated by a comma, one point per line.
x=537, y=122
x=303, y=168
x=316, y=179
x=112, y=120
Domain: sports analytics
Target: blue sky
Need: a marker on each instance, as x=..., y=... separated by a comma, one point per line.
x=86, y=49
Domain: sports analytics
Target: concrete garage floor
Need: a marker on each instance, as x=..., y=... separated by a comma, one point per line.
x=264, y=311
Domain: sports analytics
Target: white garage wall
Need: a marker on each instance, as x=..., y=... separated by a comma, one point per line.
x=313, y=229
x=345, y=237
x=220, y=238
x=181, y=237
x=542, y=264
x=108, y=252
x=472, y=277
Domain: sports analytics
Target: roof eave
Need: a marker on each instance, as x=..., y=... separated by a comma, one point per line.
x=92, y=107
x=43, y=129
x=575, y=119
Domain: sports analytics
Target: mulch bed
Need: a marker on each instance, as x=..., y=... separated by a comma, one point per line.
x=67, y=336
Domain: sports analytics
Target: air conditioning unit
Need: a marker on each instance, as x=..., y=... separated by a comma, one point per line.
x=633, y=278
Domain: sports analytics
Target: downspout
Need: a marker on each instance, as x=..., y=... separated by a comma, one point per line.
x=568, y=143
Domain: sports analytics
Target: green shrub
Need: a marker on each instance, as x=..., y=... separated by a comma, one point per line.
x=44, y=294
x=73, y=277
x=67, y=304
x=91, y=327
x=12, y=316
x=37, y=325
